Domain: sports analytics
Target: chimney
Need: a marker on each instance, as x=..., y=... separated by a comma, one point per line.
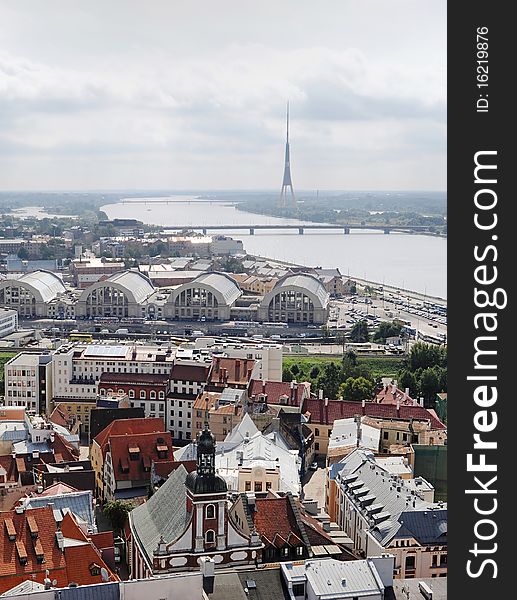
x=326, y=411
x=320, y=394
x=263, y=386
x=60, y=540
x=363, y=405
x=237, y=370
x=398, y=407
x=249, y=373
x=236, y=410
x=217, y=364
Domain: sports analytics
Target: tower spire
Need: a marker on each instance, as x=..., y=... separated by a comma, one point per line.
x=287, y=193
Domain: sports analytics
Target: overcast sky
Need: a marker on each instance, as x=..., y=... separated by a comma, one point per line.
x=186, y=94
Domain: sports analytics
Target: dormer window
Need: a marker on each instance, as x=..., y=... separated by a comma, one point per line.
x=95, y=569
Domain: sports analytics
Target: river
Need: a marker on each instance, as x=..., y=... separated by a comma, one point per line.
x=414, y=262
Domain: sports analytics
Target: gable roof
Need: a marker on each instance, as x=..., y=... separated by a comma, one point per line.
x=80, y=503
x=342, y=409
x=296, y=392
x=226, y=372
x=426, y=526
x=129, y=426
x=276, y=522
x=164, y=514
x=127, y=469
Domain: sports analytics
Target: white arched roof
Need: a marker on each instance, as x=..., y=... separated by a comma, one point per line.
x=44, y=285
x=222, y=286
x=300, y=282
x=135, y=285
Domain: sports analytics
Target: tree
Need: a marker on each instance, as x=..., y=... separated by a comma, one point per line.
x=387, y=329
x=286, y=374
x=23, y=253
x=425, y=356
x=117, y=511
x=357, y=388
x=295, y=370
x=314, y=372
x=407, y=379
x=429, y=386
x=329, y=380
x=359, y=332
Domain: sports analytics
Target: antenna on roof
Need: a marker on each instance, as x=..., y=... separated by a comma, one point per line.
x=105, y=575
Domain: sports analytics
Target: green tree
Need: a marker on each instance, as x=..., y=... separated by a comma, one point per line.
x=329, y=380
x=387, y=329
x=425, y=356
x=407, y=379
x=117, y=511
x=314, y=372
x=357, y=388
x=295, y=370
x=429, y=386
x=286, y=374
x=360, y=332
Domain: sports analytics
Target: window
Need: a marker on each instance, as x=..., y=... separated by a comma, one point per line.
x=131, y=393
x=258, y=486
x=152, y=395
x=247, y=486
x=142, y=394
x=210, y=536
x=161, y=395
x=317, y=446
x=299, y=551
x=153, y=406
x=386, y=435
x=410, y=562
x=210, y=511
x=316, y=432
x=285, y=551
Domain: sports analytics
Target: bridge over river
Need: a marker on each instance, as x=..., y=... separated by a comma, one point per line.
x=346, y=229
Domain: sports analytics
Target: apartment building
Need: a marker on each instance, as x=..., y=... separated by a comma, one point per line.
x=28, y=381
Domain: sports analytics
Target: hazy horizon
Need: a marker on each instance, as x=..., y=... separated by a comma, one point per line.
x=128, y=96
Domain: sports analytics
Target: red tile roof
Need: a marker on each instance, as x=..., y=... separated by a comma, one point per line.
x=57, y=489
x=102, y=540
x=276, y=389
x=81, y=559
x=386, y=396
x=276, y=522
x=164, y=468
x=129, y=426
x=343, y=409
x=63, y=451
x=11, y=571
x=225, y=372
x=59, y=417
x=9, y=464
x=126, y=469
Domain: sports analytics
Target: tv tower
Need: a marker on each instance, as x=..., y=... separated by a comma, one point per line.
x=287, y=199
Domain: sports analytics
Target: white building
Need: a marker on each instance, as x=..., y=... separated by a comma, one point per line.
x=333, y=579
x=381, y=512
x=77, y=368
x=8, y=322
x=267, y=357
x=28, y=381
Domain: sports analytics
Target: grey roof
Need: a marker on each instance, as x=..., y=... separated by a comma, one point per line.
x=306, y=282
x=47, y=284
x=326, y=577
x=24, y=588
x=437, y=584
x=79, y=503
x=222, y=283
x=388, y=496
x=426, y=526
x=231, y=585
x=164, y=514
x=104, y=591
x=135, y=282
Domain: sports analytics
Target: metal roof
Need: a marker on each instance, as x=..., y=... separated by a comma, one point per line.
x=221, y=283
x=164, y=514
x=306, y=282
x=136, y=283
x=48, y=285
x=79, y=503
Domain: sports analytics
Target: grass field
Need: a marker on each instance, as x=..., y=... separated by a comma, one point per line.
x=380, y=366
x=4, y=357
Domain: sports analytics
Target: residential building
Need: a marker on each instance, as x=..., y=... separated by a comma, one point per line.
x=229, y=372
x=399, y=424
x=36, y=548
x=28, y=381
x=127, y=463
x=329, y=578
x=279, y=392
x=100, y=443
x=88, y=270
x=382, y=512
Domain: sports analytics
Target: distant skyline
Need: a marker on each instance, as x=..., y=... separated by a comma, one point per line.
x=191, y=95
